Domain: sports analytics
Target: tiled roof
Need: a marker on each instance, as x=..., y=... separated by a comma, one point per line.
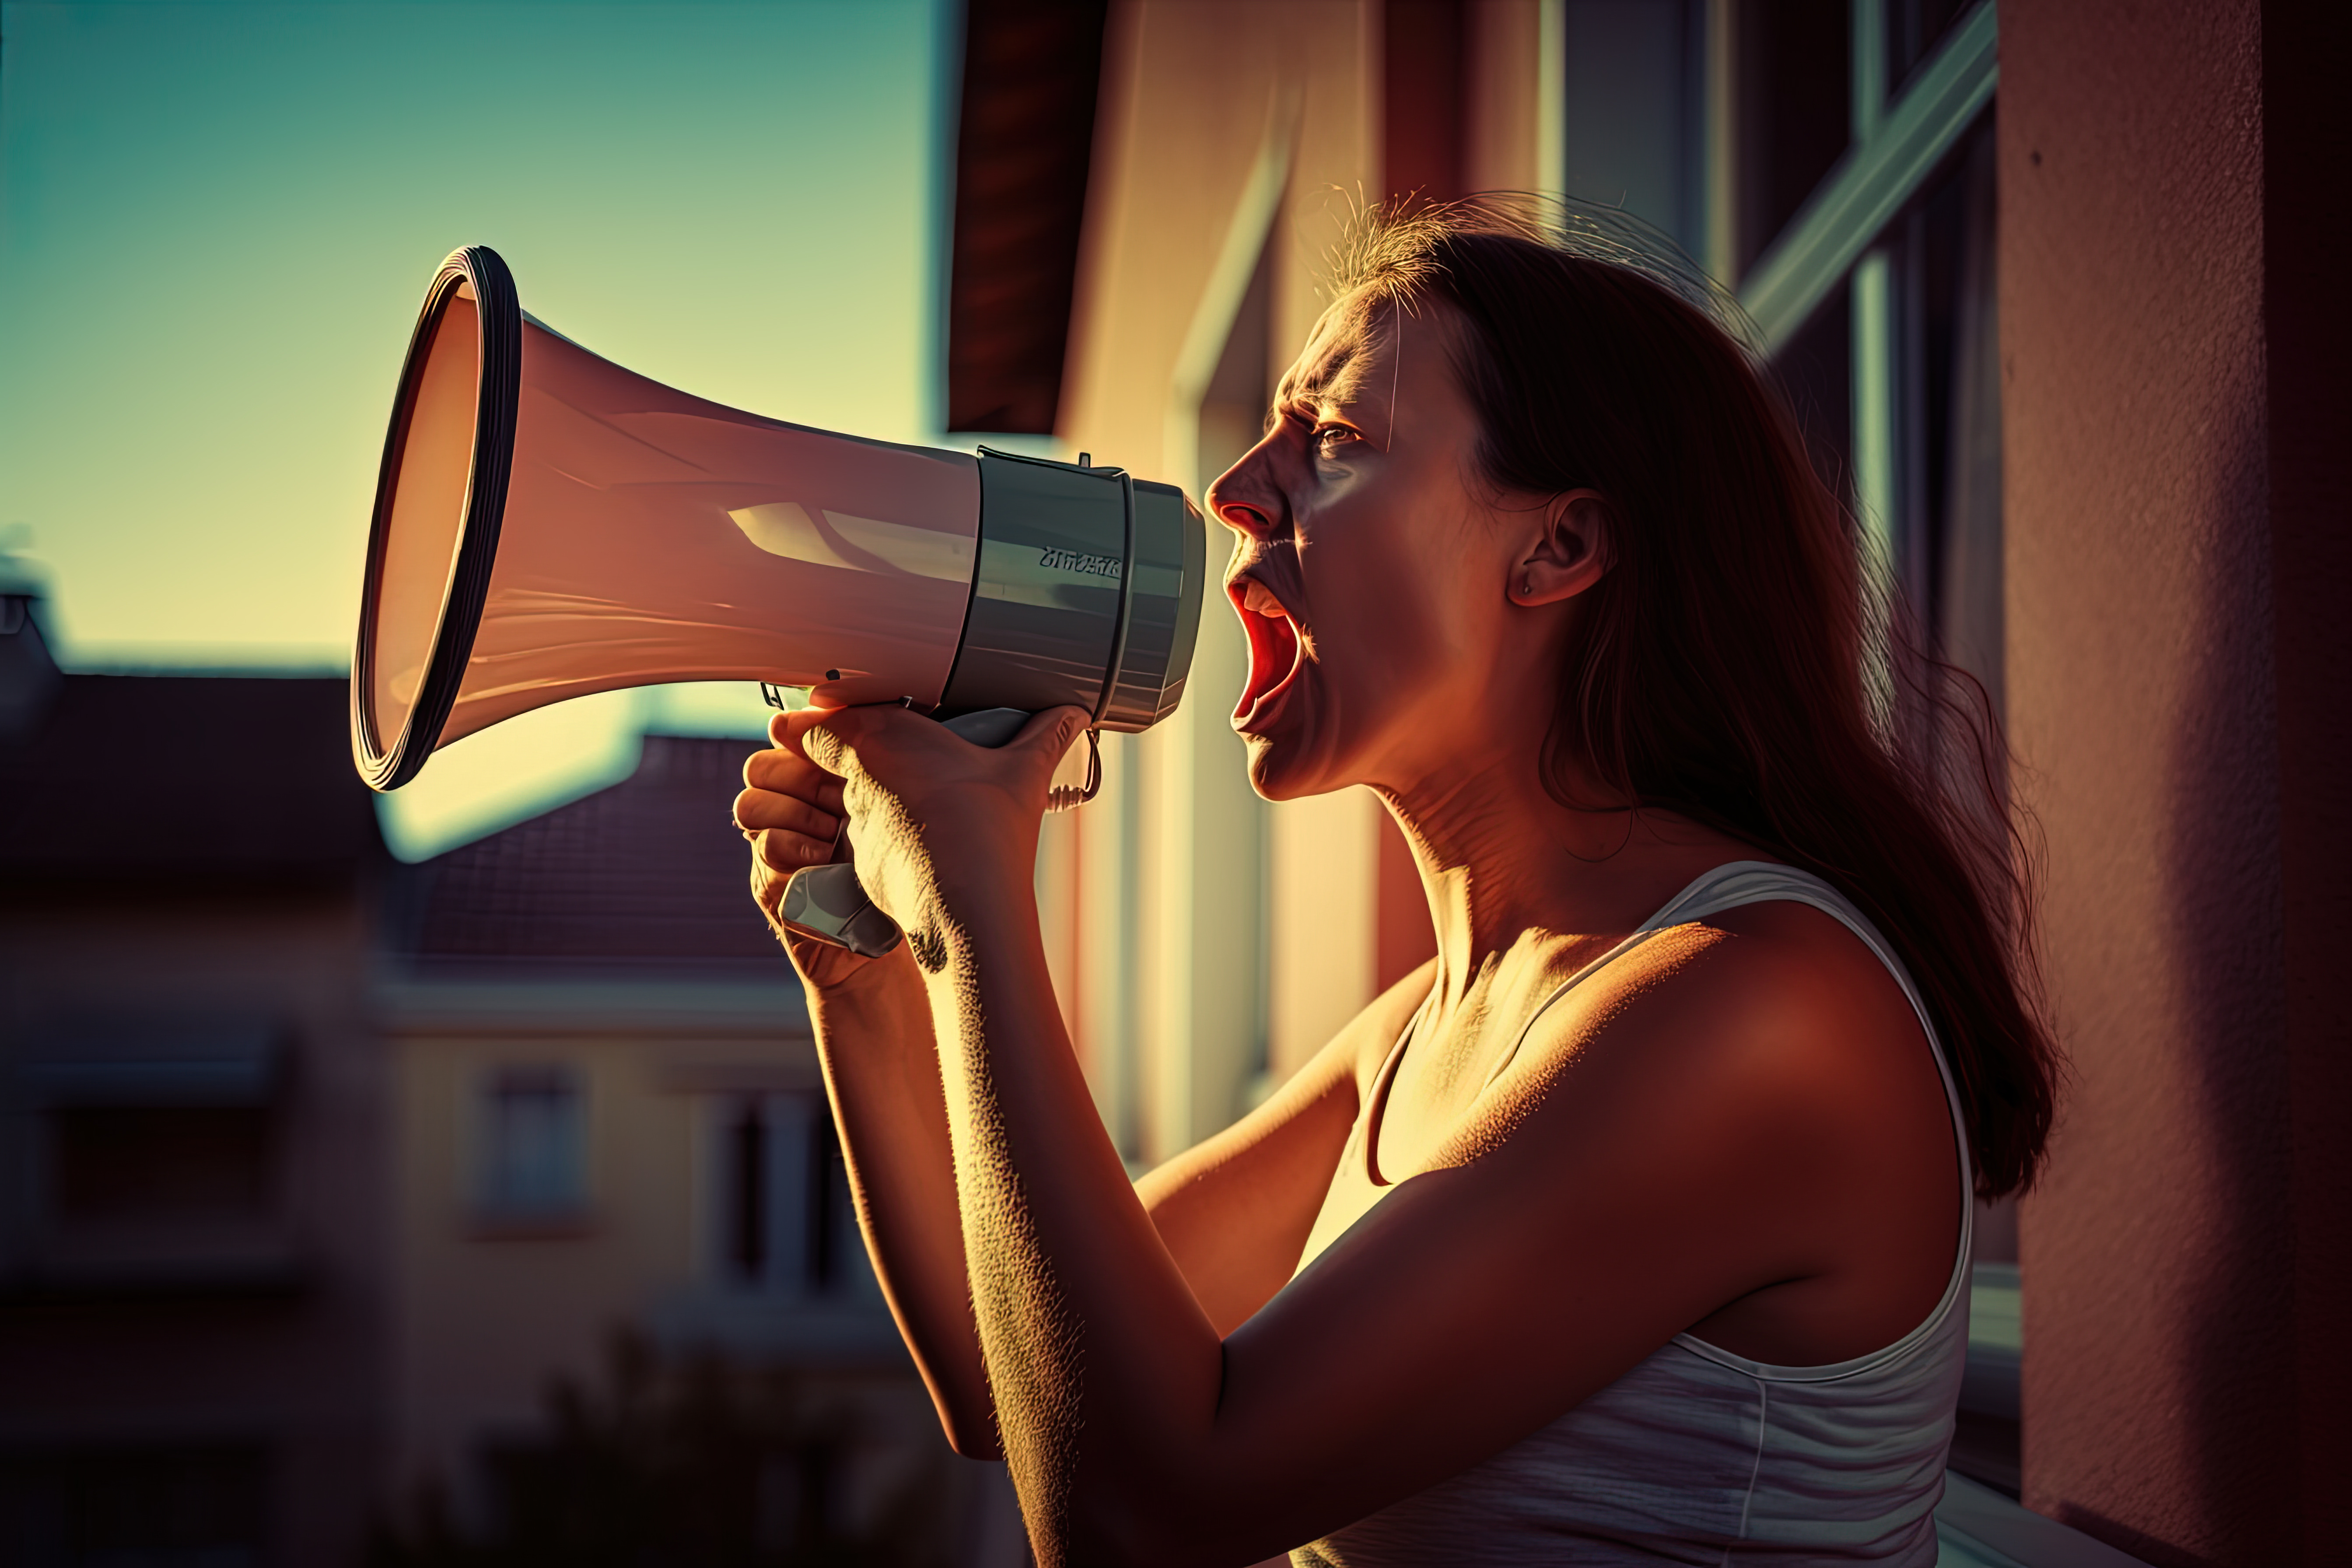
x=652, y=869
x=234, y=778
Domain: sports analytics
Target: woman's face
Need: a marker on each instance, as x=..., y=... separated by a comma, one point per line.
x=1374, y=568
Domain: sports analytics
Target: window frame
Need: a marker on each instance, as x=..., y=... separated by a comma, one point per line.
x=494, y=1206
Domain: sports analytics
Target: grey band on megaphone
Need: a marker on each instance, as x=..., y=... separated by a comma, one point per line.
x=1087, y=590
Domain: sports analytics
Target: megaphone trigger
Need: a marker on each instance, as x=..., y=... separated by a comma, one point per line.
x=828, y=904
x=991, y=727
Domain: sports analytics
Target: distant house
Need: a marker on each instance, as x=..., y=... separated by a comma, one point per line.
x=321, y=1168
x=195, y=1285
x=608, y=1113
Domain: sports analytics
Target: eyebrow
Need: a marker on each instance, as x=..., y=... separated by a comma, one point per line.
x=1336, y=378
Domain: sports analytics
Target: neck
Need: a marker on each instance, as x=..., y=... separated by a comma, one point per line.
x=1502, y=862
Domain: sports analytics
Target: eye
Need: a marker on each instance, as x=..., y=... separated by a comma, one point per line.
x=1327, y=439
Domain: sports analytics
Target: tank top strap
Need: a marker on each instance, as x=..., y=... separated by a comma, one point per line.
x=1738, y=883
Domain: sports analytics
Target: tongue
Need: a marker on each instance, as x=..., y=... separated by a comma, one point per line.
x=1274, y=654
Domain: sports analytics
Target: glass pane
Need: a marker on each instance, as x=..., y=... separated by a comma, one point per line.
x=746, y=1194
x=533, y=1161
x=1963, y=418
x=428, y=509
x=1631, y=135
x=1795, y=110
x=1914, y=28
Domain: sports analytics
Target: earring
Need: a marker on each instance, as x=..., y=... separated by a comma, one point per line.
x=1527, y=583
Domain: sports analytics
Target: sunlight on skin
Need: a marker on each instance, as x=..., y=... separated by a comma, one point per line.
x=1684, y=1130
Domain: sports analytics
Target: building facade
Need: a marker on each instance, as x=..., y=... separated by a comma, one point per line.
x=610, y=1121
x=194, y=1274
x=345, y=1203
x=2048, y=285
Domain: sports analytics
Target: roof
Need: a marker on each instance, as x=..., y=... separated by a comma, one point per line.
x=1025, y=139
x=238, y=778
x=651, y=869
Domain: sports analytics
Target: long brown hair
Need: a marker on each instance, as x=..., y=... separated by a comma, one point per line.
x=1739, y=663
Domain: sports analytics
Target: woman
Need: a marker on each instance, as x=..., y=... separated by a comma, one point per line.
x=1632, y=1228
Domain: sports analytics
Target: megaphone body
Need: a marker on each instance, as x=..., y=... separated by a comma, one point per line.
x=548, y=524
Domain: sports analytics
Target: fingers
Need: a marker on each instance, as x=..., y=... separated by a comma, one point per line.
x=767, y=888
x=758, y=808
x=787, y=773
x=782, y=849
x=822, y=744
x=797, y=735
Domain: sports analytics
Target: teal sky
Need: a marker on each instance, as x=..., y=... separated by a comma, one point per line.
x=216, y=220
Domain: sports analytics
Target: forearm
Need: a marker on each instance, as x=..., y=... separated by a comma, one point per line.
x=1102, y=1364
x=882, y=1075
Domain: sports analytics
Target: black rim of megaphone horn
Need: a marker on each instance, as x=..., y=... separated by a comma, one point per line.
x=497, y=396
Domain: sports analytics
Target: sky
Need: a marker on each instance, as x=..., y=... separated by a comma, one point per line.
x=217, y=220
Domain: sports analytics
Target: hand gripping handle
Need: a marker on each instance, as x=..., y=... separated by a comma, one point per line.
x=828, y=904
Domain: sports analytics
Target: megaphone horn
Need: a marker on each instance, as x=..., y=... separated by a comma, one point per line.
x=548, y=524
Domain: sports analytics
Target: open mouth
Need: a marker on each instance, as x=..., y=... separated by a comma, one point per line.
x=1275, y=645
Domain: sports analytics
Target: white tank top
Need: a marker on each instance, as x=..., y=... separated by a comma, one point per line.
x=1697, y=1456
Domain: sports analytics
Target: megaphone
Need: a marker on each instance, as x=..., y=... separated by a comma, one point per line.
x=548, y=524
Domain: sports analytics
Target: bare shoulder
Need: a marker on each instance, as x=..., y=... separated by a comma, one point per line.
x=1770, y=1023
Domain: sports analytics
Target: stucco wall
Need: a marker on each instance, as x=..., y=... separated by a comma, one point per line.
x=2158, y=1258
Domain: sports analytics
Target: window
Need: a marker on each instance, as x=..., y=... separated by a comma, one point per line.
x=1793, y=110
x=534, y=1151
x=1867, y=269
x=1846, y=193
x=781, y=1218
x=157, y=1124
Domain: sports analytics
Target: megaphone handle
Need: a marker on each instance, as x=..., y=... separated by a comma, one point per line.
x=828, y=904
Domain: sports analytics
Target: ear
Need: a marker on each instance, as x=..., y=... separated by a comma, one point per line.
x=1569, y=555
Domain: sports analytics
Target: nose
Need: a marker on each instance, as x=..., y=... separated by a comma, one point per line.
x=1245, y=498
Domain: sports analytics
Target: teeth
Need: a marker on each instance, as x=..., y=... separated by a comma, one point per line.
x=1259, y=602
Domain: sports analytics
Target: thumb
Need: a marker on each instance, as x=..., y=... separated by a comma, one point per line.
x=809, y=732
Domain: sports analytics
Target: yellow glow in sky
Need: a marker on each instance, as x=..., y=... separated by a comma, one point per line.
x=216, y=221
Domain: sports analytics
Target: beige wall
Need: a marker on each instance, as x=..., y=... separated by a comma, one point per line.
x=488, y=1312
x=1228, y=131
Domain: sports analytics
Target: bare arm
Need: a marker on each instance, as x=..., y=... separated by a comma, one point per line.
x=1696, y=1134
x=1235, y=1210
x=873, y=1025
x=1699, y=1159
